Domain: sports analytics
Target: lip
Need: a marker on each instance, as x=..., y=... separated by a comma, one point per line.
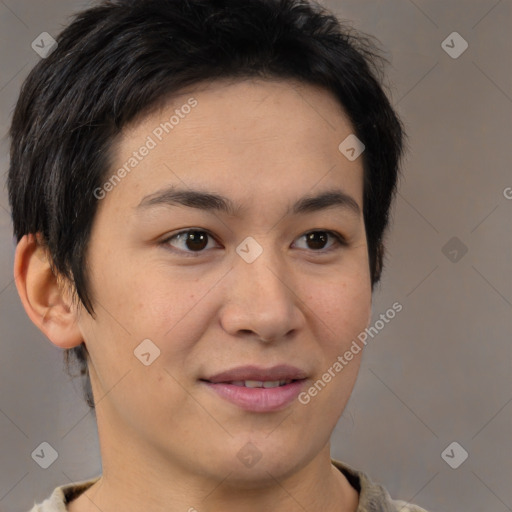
x=258, y=399
x=279, y=372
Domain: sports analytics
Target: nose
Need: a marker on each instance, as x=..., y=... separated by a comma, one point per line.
x=261, y=301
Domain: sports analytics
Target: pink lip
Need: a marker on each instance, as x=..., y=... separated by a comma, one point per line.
x=258, y=399
x=279, y=372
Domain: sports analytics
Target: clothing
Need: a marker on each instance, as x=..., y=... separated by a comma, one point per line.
x=372, y=496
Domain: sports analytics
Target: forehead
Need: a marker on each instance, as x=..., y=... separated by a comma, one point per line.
x=239, y=138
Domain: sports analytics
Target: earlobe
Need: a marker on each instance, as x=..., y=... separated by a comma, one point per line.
x=43, y=297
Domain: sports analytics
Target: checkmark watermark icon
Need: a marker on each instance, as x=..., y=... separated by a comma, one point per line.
x=454, y=455
x=44, y=44
x=351, y=147
x=45, y=455
x=454, y=45
x=249, y=249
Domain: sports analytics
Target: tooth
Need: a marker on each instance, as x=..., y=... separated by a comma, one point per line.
x=271, y=384
x=284, y=382
x=237, y=383
x=253, y=384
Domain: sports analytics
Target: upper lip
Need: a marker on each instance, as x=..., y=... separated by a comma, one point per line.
x=275, y=373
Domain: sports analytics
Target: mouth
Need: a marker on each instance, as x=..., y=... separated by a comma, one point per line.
x=260, y=384
x=253, y=374
x=256, y=389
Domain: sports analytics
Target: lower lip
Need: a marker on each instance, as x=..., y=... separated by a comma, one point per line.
x=258, y=399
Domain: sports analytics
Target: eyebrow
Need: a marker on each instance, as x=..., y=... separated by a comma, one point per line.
x=208, y=201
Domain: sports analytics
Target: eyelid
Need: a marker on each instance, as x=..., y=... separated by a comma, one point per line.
x=167, y=239
x=341, y=241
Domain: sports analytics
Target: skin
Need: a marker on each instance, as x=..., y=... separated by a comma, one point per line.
x=168, y=443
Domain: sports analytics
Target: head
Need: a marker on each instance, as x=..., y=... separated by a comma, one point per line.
x=247, y=100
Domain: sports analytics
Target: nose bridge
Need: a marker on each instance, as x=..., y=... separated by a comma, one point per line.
x=259, y=297
x=261, y=276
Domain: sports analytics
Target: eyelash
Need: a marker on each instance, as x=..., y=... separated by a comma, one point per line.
x=340, y=241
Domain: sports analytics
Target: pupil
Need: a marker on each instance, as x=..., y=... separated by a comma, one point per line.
x=198, y=238
x=318, y=235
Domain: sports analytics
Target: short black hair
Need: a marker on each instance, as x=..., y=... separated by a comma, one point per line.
x=118, y=60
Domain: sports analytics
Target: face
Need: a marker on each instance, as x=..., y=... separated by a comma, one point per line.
x=260, y=285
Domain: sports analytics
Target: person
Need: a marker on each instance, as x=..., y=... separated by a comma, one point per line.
x=259, y=132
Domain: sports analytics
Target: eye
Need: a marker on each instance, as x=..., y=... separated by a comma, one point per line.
x=196, y=240
x=190, y=240
x=317, y=240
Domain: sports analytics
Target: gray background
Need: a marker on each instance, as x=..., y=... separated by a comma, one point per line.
x=437, y=373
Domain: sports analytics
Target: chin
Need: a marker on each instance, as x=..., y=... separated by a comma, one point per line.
x=253, y=467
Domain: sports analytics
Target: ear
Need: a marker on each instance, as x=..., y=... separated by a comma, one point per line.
x=44, y=298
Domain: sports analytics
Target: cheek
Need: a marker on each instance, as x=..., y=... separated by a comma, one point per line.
x=170, y=309
x=139, y=302
x=341, y=314
x=342, y=307
x=146, y=295
x=343, y=310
